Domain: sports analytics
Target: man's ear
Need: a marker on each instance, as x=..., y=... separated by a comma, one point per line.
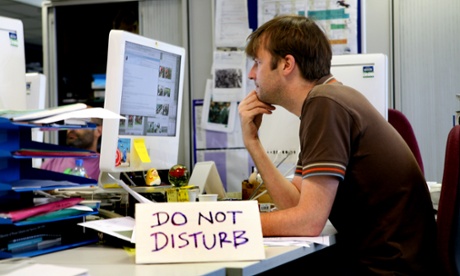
x=289, y=64
x=98, y=131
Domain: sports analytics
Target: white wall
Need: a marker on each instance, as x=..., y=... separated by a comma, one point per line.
x=377, y=31
x=201, y=45
x=424, y=55
x=427, y=68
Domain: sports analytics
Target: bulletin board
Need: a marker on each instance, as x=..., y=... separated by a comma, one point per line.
x=341, y=20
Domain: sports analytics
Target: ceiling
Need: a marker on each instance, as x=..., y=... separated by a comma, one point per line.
x=30, y=13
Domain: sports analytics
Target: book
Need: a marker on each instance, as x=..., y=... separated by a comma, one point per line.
x=66, y=229
x=24, y=242
x=11, y=234
x=21, y=214
x=35, y=244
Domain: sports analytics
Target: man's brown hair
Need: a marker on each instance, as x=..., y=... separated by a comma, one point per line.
x=298, y=36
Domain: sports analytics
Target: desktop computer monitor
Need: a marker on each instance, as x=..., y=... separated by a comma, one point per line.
x=12, y=64
x=367, y=73
x=144, y=83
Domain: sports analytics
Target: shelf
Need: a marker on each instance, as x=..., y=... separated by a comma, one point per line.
x=73, y=236
x=6, y=255
x=19, y=180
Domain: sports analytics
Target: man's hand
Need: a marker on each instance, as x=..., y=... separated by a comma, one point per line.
x=251, y=110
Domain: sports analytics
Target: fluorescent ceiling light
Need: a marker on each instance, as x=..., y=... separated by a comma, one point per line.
x=37, y=3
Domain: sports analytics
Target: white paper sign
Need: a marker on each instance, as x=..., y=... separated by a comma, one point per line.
x=198, y=232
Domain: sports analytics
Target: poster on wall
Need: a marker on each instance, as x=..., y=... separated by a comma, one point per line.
x=338, y=19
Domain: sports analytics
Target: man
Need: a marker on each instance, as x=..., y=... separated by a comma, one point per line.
x=353, y=168
x=85, y=138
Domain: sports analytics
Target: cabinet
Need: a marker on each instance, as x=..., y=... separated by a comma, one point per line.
x=18, y=182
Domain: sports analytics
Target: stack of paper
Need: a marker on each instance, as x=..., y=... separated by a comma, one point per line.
x=21, y=214
x=70, y=113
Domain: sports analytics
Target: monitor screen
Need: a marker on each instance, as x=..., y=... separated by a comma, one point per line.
x=12, y=64
x=144, y=83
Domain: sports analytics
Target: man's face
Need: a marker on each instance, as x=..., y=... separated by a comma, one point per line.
x=266, y=79
x=80, y=138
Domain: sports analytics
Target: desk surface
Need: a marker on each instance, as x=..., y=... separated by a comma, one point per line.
x=101, y=260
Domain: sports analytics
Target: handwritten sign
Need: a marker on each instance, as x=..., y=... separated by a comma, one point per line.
x=198, y=232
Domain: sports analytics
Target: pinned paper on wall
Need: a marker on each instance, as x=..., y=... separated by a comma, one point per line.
x=218, y=116
x=229, y=76
x=141, y=149
x=231, y=23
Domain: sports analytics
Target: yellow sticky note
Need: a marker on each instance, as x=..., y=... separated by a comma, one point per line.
x=139, y=146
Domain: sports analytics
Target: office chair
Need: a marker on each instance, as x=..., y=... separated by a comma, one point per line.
x=400, y=122
x=448, y=209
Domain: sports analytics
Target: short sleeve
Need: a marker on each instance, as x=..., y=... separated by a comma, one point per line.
x=325, y=138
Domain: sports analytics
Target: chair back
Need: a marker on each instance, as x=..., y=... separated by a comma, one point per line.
x=400, y=122
x=448, y=213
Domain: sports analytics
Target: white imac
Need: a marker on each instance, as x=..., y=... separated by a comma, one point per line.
x=12, y=64
x=367, y=73
x=145, y=85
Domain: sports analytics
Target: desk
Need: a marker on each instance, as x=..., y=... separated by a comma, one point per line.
x=102, y=260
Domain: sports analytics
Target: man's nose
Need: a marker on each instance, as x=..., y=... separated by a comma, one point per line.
x=252, y=74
